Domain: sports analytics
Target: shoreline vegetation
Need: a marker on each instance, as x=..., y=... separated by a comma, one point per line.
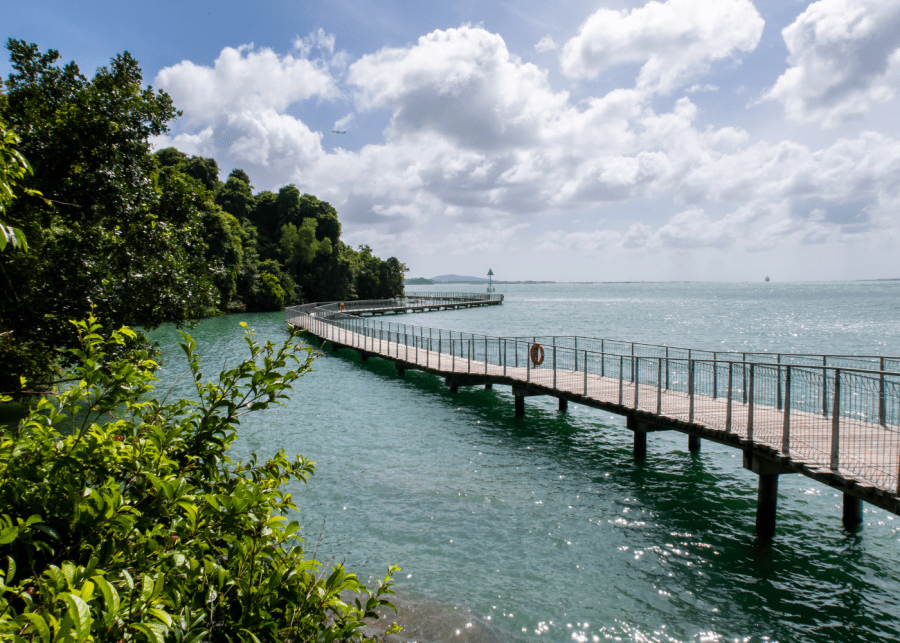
x=143, y=237
x=122, y=517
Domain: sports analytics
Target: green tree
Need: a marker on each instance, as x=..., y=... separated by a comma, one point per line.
x=115, y=232
x=264, y=216
x=13, y=168
x=122, y=517
x=204, y=170
x=299, y=245
x=236, y=195
x=170, y=157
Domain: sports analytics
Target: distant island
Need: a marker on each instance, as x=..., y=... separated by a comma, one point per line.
x=462, y=279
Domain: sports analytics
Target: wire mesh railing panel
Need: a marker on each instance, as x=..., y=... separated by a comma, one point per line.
x=837, y=412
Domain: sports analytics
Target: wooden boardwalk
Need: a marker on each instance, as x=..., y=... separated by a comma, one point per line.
x=835, y=424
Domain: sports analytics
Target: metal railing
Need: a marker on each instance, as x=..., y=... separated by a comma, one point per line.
x=837, y=412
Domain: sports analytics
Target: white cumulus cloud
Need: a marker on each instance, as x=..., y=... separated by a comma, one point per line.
x=462, y=83
x=674, y=41
x=244, y=78
x=844, y=57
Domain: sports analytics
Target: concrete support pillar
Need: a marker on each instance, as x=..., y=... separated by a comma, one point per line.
x=401, y=372
x=488, y=386
x=694, y=443
x=766, y=506
x=454, y=388
x=364, y=356
x=520, y=406
x=640, y=439
x=640, y=445
x=853, y=512
x=563, y=404
x=334, y=347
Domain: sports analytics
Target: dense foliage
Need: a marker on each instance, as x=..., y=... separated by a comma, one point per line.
x=123, y=519
x=141, y=238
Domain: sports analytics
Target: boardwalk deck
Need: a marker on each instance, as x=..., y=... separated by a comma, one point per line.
x=841, y=427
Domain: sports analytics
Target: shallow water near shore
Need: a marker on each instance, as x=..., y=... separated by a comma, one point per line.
x=544, y=528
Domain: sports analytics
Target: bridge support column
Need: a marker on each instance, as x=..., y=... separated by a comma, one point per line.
x=520, y=406
x=563, y=404
x=853, y=512
x=693, y=443
x=489, y=386
x=767, y=497
x=334, y=347
x=400, y=371
x=640, y=438
x=766, y=506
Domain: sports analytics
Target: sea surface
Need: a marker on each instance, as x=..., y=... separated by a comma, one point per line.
x=544, y=528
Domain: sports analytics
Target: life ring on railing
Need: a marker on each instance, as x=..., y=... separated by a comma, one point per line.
x=537, y=354
x=342, y=307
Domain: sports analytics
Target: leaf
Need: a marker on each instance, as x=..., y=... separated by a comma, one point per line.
x=40, y=625
x=8, y=535
x=110, y=599
x=161, y=615
x=48, y=530
x=252, y=635
x=80, y=613
x=153, y=631
x=196, y=637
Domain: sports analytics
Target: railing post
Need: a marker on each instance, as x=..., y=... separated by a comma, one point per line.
x=602, y=358
x=691, y=389
x=554, y=362
x=658, y=385
x=836, y=422
x=632, y=361
x=750, y=407
x=469, y=354
x=744, y=373
x=715, y=377
x=584, y=363
x=485, y=355
x=667, y=368
x=778, y=402
x=504, y=359
x=636, y=378
x=621, y=377
x=824, y=387
x=786, y=431
x=452, y=354
x=439, y=352
x=527, y=364
x=882, y=415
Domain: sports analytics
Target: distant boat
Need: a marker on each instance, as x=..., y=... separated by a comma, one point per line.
x=767, y=279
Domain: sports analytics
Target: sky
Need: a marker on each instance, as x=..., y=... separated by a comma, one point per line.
x=671, y=140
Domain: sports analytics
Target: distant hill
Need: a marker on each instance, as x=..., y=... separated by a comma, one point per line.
x=456, y=278
x=418, y=281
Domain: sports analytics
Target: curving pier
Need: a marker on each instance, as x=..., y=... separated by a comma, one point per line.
x=834, y=418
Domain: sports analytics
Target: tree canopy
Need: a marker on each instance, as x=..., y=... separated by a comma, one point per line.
x=142, y=237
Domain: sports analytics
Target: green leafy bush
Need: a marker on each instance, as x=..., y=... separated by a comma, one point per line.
x=125, y=520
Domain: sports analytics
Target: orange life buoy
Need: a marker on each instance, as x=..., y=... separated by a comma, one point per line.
x=342, y=307
x=537, y=354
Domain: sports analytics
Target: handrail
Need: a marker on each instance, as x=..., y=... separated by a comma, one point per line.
x=843, y=416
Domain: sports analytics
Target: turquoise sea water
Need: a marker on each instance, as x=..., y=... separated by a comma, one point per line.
x=544, y=528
